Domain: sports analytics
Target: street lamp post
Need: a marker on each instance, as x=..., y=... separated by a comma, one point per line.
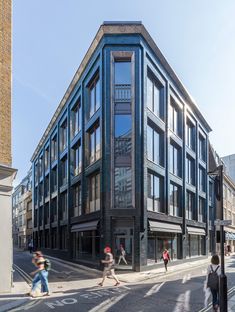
x=223, y=278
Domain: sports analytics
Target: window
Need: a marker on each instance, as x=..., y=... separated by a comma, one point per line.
x=154, y=97
x=63, y=240
x=63, y=136
x=94, y=146
x=190, y=206
x=93, y=193
x=76, y=160
x=46, y=186
x=154, y=145
x=122, y=85
x=94, y=96
x=77, y=200
x=190, y=135
x=47, y=158
x=202, y=148
x=54, y=180
x=75, y=119
x=122, y=187
x=175, y=123
x=123, y=130
x=46, y=214
x=54, y=210
x=155, y=193
x=40, y=193
x=175, y=200
x=190, y=170
x=40, y=166
x=175, y=160
x=29, y=224
x=64, y=176
x=201, y=212
x=210, y=191
x=64, y=206
x=202, y=179
x=54, y=148
x=36, y=173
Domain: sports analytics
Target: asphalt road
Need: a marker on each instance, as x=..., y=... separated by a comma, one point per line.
x=174, y=292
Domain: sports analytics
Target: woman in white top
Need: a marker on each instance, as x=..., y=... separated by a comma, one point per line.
x=213, y=273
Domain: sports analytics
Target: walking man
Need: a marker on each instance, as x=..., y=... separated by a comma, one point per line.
x=108, y=266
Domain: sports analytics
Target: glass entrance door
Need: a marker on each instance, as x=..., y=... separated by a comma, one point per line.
x=124, y=251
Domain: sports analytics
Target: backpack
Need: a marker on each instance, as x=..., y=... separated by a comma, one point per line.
x=47, y=264
x=213, y=279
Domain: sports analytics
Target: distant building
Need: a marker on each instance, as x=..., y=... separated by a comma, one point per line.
x=124, y=159
x=228, y=203
x=7, y=173
x=230, y=165
x=22, y=212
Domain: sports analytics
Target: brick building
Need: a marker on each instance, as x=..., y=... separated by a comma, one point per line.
x=6, y=172
x=124, y=159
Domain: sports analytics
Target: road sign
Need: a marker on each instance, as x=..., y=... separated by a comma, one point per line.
x=223, y=222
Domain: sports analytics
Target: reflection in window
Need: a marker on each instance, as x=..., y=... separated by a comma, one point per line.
x=63, y=136
x=175, y=200
x=123, y=128
x=76, y=160
x=154, y=146
x=154, y=97
x=174, y=118
x=190, y=170
x=94, y=96
x=93, y=203
x=75, y=120
x=202, y=179
x=190, y=206
x=122, y=81
x=77, y=200
x=175, y=160
x=201, y=212
x=190, y=135
x=94, y=138
x=123, y=187
x=202, y=148
x=155, y=191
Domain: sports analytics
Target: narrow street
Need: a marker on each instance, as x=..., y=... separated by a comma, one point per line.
x=75, y=289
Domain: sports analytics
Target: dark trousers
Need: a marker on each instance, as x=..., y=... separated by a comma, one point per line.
x=165, y=263
x=215, y=297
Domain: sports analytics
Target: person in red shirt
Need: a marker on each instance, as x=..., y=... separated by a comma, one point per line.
x=166, y=258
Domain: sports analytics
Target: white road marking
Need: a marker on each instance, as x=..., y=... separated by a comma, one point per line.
x=154, y=290
x=53, y=270
x=183, y=302
x=186, y=278
x=105, y=305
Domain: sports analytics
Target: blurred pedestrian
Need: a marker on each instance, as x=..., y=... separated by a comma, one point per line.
x=166, y=258
x=30, y=245
x=122, y=254
x=108, y=266
x=40, y=275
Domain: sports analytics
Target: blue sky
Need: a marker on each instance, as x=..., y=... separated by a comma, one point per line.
x=50, y=38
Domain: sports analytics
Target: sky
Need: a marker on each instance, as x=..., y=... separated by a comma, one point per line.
x=51, y=37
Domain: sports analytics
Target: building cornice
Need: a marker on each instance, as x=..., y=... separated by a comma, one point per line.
x=121, y=28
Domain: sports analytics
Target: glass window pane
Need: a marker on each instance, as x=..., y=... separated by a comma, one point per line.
x=156, y=147
x=157, y=194
x=123, y=187
x=149, y=143
x=97, y=143
x=149, y=94
x=92, y=101
x=123, y=72
x=123, y=126
x=97, y=95
x=171, y=212
x=156, y=100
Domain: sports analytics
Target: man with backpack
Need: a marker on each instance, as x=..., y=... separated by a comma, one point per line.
x=213, y=273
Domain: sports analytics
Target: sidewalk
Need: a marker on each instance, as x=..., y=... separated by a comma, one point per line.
x=17, y=296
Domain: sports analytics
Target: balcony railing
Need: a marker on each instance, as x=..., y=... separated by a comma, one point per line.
x=122, y=93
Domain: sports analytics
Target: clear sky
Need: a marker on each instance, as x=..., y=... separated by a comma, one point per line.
x=50, y=38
